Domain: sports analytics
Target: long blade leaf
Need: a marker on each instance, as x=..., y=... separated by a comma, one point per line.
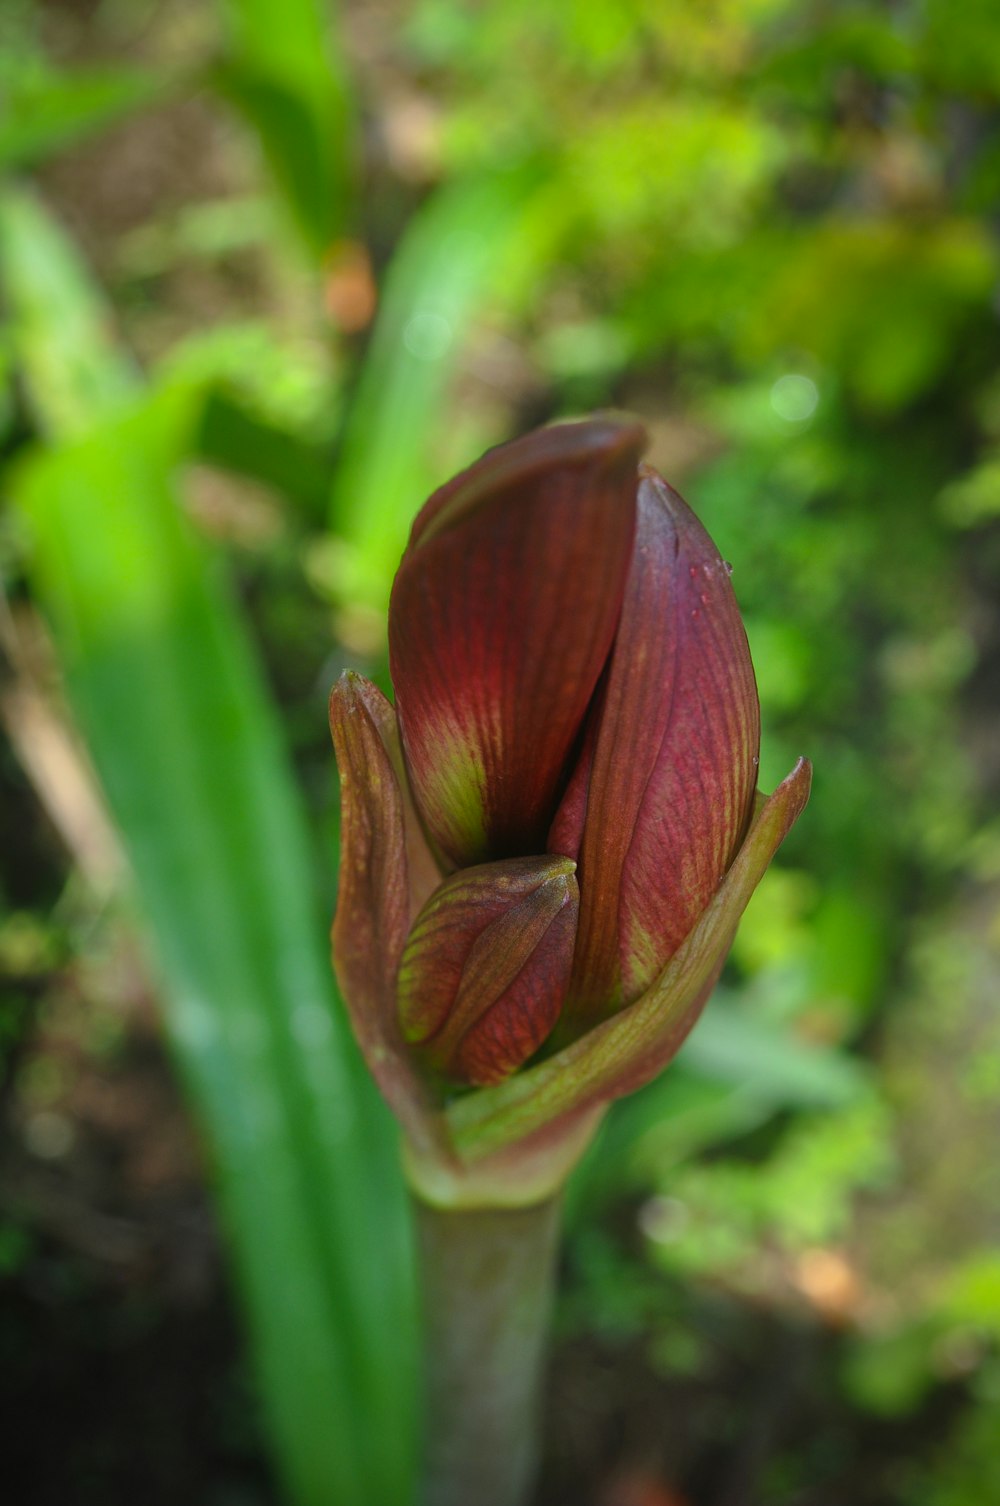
x=46, y=111
x=190, y=754
x=448, y=263
x=283, y=71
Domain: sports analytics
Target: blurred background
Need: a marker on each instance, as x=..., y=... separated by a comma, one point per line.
x=270, y=270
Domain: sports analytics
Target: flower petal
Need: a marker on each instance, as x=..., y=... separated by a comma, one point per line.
x=632, y=1047
x=664, y=790
x=502, y=616
x=374, y=900
x=486, y=965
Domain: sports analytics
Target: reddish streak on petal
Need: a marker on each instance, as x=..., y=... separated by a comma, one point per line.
x=502, y=616
x=674, y=762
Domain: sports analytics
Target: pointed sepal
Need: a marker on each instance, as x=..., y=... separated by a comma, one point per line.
x=486, y=965
x=375, y=902
x=630, y=1049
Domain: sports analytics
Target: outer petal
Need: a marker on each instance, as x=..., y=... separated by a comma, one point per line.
x=486, y=966
x=630, y=1049
x=502, y=616
x=374, y=903
x=668, y=793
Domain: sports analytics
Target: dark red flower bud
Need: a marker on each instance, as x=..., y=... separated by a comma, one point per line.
x=572, y=678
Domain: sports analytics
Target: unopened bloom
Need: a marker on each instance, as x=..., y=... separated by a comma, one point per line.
x=549, y=840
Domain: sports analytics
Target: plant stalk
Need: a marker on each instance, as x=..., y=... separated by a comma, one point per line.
x=487, y=1277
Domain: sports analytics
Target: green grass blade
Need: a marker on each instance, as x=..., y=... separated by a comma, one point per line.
x=732, y=1046
x=190, y=755
x=232, y=437
x=283, y=71
x=449, y=262
x=60, y=329
x=735, y=1072
x=45, y=111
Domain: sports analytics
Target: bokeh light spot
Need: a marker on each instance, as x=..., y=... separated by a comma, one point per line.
x=794, y=397
x=427, y=336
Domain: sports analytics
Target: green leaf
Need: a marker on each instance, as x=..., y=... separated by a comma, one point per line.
x=60, y=328
x=734, y=1073
x=190, y=754
x=907, y=294
x=192, y=764
x=233, y=437
x=283, y=71
x=448, y=263
x=45, y=111
x=731, y=1046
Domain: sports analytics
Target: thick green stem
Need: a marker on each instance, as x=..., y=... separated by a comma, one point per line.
x=487, y=1280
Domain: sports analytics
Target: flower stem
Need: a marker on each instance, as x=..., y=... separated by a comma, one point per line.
x=487, y=1280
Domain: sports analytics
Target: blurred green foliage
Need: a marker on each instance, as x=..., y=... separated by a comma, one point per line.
x=767, y=227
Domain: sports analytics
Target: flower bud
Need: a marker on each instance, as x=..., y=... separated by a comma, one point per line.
x=486, y=966
x=572, y=678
